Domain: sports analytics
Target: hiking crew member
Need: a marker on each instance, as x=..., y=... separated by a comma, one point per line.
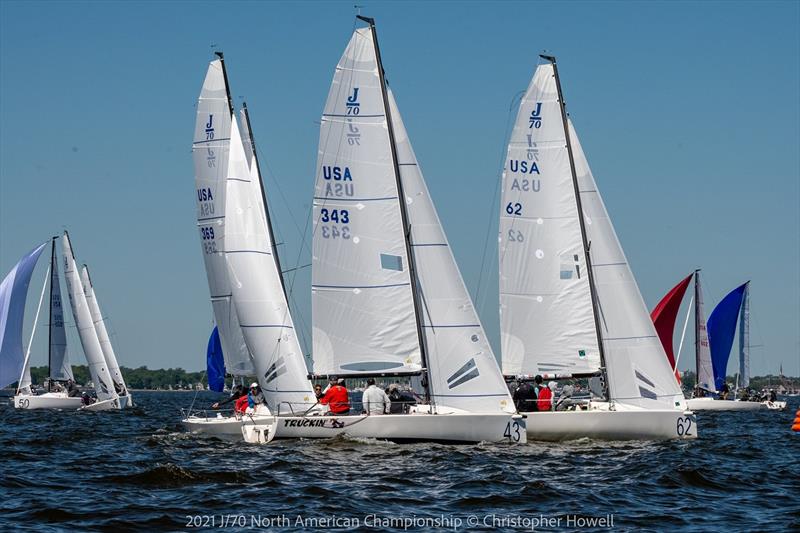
x=525, y=397
x=375, y=401
x=337, y=399
x=255, y=397
x=545, y=398
x=236, y=393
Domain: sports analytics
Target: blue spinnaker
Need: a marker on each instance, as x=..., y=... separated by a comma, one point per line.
x=721, y=330
x=13, y=294
x=215, y=363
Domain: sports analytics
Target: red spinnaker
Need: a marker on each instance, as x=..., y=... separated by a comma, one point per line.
x=664, y=315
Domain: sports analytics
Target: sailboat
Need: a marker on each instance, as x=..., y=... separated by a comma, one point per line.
x=664, y=316
x=107, y=397
x=569, y=304
x=211, y=148
x=366, y=282
x=14, y=364
x=713, y=342
x=388, y=300
x=125, y=397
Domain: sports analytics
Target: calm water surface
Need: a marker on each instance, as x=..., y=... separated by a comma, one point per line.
x=138, y=470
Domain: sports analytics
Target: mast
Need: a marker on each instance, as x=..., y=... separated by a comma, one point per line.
x=696, y=328
x=273, y=243
x=53, y=273
x=403, y=211
x=225, y=77
x=586, y=243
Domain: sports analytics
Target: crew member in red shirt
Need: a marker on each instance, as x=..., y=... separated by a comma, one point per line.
x=337, y=399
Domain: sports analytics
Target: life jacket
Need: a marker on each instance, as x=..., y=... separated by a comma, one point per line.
x=336, y=399
x=545, y=399
x=241, y=404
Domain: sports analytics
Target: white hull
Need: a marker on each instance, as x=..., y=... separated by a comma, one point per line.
x=217, y=426
x=599, y=422
x=451, y=428
x=105, y=405
x=49, y=400
x=125, y=401
x=712, y=404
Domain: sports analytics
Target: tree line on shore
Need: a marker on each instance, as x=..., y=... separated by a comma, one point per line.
x=178, y=378
x=135, y=378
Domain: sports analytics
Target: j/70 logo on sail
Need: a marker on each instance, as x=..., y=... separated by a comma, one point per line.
x=210, y=128
x=536, y=116
x=353, y=105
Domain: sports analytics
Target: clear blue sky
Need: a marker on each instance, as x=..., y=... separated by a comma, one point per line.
x=689, y=114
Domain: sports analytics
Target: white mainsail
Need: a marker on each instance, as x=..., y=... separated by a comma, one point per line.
x=210, y=151
x=102, y=332
x=362, y=300
x=257, y=289
x=546, y=320
x=98, y=368
x=60, y=368
x=638, y=370
x=705, y=369
x=744, y=339
x=462, y=368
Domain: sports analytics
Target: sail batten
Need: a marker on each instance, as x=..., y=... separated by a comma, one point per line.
x=92, y=349
x=210, y=150
x=257, y=285
x=462, y=368
x=362, y=299
x=637, y=367
x=546, y=310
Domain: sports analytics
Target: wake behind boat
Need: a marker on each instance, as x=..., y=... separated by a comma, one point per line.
x=569, y=304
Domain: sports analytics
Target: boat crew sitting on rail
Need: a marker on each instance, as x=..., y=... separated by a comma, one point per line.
x=375, y=401
x=525, y=396
x=255, y=396
x=337, y=399
x=401, y=401
x=237, y=392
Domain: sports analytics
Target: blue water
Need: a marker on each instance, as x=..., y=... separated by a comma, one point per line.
x=138, y=470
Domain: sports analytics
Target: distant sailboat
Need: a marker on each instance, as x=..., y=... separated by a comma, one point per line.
x=569, y=305
x=98, y=367
x=664, y=316
x=58, y=363
x=713, y=343
x=125, y=397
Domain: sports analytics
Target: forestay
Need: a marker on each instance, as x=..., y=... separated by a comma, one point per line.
x=546, y=319
x=98, y=367
x=102, y=332
x=638, y=370
x=257, y=290
x=210, y=150
x=363, y=306
x=705, y=369
x=60, y=368
x=13, y=295
x=462, y=368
